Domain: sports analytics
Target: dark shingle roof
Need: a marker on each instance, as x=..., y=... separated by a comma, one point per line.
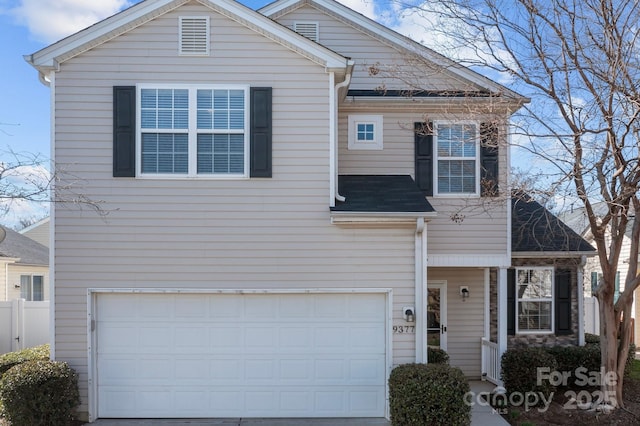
x=536, y=229
x=381, y=194
x=29, y=252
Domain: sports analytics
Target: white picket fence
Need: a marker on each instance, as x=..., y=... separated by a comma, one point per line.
x=591, y=316
x=23, y=324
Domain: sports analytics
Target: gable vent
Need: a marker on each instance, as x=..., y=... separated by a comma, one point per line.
x=307, y=29
x=194, y=35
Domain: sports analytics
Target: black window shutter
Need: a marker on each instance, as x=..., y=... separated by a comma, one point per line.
x=511, y=302
x=261, y=132
x=563, y=302
x=423, y=135
x=489, y=160
x=124, y=131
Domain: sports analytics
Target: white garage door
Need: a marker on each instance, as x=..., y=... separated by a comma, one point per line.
x=241, y=355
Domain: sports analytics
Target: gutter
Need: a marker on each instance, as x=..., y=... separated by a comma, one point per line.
x=552, y=254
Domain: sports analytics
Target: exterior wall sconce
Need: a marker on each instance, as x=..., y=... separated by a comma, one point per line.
x=409, y=313
x=464, y=292
x=16, y=286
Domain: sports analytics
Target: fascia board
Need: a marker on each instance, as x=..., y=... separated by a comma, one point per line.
x=277, y=6
x=49, y=57
x=399, y=40
x=551, y=254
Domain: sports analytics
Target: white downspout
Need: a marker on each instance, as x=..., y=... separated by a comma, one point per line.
x=333, y=152
x=332, y=140
x=580, y=288
x=52, y=222
x=421, y=289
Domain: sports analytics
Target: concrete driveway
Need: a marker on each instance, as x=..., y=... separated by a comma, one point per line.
x=244, y=422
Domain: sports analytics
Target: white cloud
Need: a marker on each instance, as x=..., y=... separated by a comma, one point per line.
x=25, y=194
x=18, y=210
x=51, y=20
x=365, y=7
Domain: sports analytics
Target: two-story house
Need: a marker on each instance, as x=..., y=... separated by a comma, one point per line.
x=289, y=218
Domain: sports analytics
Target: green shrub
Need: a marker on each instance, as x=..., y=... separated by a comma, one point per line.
x=437, y=356
x=591, y=356
x=591, y=338
x=570, y=358
x=10, y=359
x=428, y=394
x=520, y=370
x=39, y=393
x=630, y=357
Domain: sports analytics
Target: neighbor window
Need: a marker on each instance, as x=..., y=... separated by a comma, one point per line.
x=32, y=287
x=365, y=132
x=534, y=291
x=193, y=131
x=457, y=153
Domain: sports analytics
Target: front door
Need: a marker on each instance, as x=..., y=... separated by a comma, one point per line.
x=437, y=315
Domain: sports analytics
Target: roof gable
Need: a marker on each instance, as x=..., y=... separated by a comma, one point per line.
x=534, y=229
x=393, y=38
x=50, y=57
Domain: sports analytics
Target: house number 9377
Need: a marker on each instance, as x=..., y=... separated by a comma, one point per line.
x=404, y=329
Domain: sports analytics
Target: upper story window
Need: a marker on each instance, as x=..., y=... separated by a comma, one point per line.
x=32, y=287
x=534, y=292
x=193, y=131
x=365, y=132
x=457, y=158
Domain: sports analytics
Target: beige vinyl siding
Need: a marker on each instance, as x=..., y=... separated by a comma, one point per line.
x=367, y=50
x=14, y=273
x=484, y=228
x=206, y=233
x=40, y=233
x=465, y=320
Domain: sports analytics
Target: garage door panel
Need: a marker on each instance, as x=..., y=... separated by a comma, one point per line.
x=241, y=356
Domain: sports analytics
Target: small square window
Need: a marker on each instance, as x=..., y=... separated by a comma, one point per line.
x=365, y=132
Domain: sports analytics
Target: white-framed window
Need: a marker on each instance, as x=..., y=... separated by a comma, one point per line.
x=193, y=131
x=365, y=132
x=32, y=287
x=457, y=152
x=194, y=35
x=534, y=293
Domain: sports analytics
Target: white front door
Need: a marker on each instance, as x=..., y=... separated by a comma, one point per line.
x=437, y=315
x=241, y=355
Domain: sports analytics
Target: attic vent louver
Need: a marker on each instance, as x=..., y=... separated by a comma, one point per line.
x=194, y=35
x=307, y=29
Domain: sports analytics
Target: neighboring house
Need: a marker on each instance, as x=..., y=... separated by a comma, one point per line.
x=281, y=233
x=577, y=219
x=39, y=231
x=25, y=267
x=548, y=259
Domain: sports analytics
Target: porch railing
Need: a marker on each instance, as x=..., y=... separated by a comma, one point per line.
x=490, y=362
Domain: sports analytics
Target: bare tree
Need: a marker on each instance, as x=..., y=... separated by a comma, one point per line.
x=579, y=62
x=25, y=177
